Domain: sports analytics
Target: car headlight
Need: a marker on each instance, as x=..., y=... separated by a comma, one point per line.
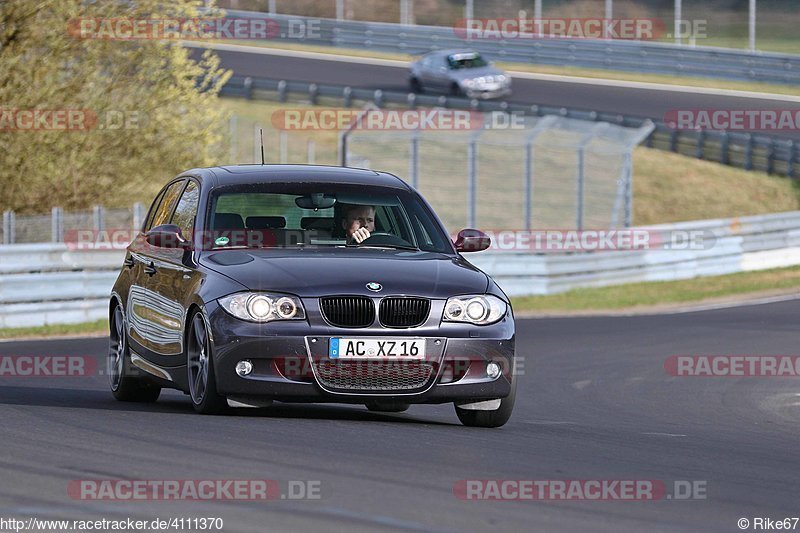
x=481, y=309
x=468, y=83
x=263, y=306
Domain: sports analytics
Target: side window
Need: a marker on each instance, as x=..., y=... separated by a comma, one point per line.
x=423, y=234
x=167, y=203
x=152, y=213
x=187, y=209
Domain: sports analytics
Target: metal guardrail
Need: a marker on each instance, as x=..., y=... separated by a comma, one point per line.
x=29, y=295
x=764, y=153
x=740, y=244
x=50, y=283
x=623, y=55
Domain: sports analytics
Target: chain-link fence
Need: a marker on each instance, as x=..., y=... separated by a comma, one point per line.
x=546, y=172
x=61, y=226
x=537, y=172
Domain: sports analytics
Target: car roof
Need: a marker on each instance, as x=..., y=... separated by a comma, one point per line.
x=453, y=51
x=255, y=174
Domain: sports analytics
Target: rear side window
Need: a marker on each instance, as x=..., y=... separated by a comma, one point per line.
x=187, y=209
x=152, y=213
x=168, y=202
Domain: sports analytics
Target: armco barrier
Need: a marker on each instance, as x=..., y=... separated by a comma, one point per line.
x=624, y=55
x=50, y=284
x=740, y=244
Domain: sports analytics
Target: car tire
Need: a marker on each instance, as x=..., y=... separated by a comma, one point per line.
x=415, y=86
x=124, y=387
x=387, y=407
x=490, y=419
x=200, y=369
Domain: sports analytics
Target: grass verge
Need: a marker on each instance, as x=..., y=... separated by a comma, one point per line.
x=56, y=330
x=657, y=295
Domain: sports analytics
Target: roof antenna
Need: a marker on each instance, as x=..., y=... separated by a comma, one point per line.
x=261, y=132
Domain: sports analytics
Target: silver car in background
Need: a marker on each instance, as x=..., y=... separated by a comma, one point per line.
x=458, y=73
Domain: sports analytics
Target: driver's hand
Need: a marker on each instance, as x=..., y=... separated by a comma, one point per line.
x=360, y=235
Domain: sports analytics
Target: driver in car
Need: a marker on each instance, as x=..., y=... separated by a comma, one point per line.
x=359, y=222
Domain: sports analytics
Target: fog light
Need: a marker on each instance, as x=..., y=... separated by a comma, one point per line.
x=243, y=368
x=493, y=370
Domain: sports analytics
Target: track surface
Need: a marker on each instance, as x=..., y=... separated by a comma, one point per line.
x=631, y=101
x=594, y=403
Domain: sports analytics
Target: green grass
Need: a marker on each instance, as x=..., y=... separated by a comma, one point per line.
x=642, y=295
x=54, y=330
x=669, y=187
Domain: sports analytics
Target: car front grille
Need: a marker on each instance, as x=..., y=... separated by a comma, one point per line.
x=404, y=312
x=348, y=311
x=373, y=376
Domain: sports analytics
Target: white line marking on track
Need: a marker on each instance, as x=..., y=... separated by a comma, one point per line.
x=580, y=385
x=603, y=82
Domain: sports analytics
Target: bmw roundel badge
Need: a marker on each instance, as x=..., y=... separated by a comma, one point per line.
x=375, y=287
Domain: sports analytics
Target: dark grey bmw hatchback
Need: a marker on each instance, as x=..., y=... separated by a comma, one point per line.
x=254, y=283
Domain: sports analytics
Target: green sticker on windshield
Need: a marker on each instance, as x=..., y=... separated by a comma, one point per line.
x=222, y=241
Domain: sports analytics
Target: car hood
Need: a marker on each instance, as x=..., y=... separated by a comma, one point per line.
x=470, y=73
x=314, y=272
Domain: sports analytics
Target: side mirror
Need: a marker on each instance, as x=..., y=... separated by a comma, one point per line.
x=472, y=240
x=166, y=236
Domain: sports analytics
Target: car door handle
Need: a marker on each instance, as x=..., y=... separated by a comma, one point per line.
x=129, y=262
x=150, y=269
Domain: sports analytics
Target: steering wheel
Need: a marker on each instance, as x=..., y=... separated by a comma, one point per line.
x=389, y=239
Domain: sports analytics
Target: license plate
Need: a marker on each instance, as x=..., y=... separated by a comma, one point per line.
x=409, y=349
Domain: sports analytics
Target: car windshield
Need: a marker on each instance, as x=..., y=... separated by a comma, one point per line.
x=320, y=215
x=462, y=61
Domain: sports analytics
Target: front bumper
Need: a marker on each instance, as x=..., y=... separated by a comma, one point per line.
x=487, y=94
x=290, y=361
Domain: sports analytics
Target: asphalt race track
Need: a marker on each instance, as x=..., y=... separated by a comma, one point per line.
x=594, y=402
x=627, y=100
